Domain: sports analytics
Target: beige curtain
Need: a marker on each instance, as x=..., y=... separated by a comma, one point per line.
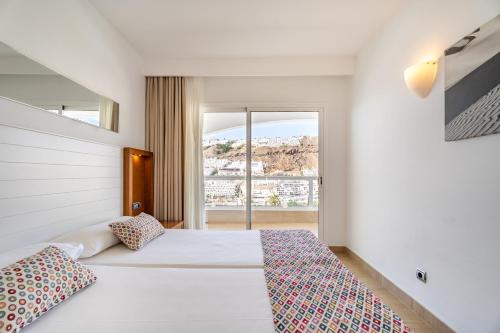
x=193, y=174
x=165, y=124
x=108, y=114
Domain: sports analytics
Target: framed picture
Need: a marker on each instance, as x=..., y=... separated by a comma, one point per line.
x=472, y=95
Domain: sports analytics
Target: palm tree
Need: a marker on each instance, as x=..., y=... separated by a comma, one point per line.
x=274, y=200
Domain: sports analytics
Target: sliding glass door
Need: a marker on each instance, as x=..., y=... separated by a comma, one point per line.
x=224, y=153
x=262, y=169
x=285, y=167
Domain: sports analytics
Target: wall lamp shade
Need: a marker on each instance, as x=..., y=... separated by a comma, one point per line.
x=420, y=77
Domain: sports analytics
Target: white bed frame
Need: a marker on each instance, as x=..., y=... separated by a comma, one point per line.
x=50, y=184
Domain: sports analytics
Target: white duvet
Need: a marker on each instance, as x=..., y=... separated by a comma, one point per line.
x=130, y=300
x=189, y=248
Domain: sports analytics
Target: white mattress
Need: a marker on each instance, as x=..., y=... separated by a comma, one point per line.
x=189, y=248
x=128, y=299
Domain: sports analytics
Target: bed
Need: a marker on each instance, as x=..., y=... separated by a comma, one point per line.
x=308, y=287
x=203, y=281
x=189, y=249
x=126, y=299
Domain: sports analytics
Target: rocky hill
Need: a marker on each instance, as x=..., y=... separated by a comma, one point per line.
x=287, y=160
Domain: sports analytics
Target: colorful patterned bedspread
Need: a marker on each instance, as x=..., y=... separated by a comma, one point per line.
x=312, y=291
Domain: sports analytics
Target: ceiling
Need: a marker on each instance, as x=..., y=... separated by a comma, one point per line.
x=247, y=28
x=14, y=63
x=7, y=51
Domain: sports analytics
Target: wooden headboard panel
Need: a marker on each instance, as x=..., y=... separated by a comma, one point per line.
x=51, y=184
x=138, y=173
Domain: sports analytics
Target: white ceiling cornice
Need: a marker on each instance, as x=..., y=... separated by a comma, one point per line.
x=272, y=66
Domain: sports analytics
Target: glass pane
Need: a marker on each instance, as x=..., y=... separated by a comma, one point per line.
x=91, y=117
x=29, y=82
x=285, y=159
x=224, y=152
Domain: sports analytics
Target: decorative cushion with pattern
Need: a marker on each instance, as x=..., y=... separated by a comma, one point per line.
x=34, y=285
x=137, y=231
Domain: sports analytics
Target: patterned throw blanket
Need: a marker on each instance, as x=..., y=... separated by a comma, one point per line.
x=312, y=291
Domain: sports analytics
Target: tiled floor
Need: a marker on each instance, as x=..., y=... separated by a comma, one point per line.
x=416, y=323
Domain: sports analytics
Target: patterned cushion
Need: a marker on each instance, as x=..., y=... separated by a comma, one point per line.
x=138, y=231
x=34, y=285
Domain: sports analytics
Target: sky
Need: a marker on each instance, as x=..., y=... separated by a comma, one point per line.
x=90, y=117
x=283, y=129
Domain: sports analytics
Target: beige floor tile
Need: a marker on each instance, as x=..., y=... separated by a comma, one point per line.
x=411, y=318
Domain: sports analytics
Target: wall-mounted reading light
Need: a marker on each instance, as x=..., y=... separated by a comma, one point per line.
x=420, y=77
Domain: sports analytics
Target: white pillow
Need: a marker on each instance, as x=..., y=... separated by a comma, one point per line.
x=95, y=238
x=72, y=249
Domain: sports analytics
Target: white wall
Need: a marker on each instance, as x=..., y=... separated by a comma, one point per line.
x=414, y=199
x=21, y=65
x=48, y=183
x=73, y=39
x=47, y=90
x=332, y=93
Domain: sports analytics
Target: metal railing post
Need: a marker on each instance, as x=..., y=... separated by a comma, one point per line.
x=309, y=179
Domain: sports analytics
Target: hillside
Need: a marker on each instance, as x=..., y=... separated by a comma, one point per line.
x=283, y=160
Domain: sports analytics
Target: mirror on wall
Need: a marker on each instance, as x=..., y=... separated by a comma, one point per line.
x=26, y=81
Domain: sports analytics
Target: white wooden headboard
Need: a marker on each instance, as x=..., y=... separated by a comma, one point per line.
x=50, y=184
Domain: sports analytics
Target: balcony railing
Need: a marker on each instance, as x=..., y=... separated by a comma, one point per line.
x=268, y=192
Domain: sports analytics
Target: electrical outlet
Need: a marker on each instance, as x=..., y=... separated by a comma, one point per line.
x=136, y=205
x=421, y=275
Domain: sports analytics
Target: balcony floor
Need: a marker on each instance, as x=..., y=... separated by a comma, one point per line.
x=277, y=219
x=313, y=227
